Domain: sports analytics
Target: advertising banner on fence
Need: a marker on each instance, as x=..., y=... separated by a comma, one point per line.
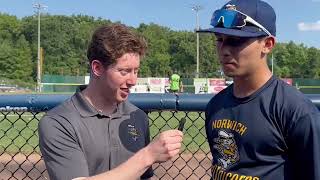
x=216, y=85
x=156, y=85
x=86, y=79
x=139, y=89
x=217, y=82
x=141, y=86
x=150, y=85
x=200, y=85
x=215, y=89
x=142, y=81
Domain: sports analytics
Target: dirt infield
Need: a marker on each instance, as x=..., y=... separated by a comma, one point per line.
x=29, y=167
x=186, y=166
x=20, y=166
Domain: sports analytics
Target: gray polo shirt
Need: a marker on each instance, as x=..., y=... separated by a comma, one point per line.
x=78, y=141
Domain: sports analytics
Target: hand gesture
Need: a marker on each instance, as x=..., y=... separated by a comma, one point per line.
x=165, y=146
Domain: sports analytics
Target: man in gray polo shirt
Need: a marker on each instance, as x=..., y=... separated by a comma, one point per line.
x=97, y=133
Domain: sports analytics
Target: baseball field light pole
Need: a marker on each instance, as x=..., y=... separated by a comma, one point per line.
x=38, y=8
x=197, y=8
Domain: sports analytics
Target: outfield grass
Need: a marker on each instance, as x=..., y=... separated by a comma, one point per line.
x=194, y=131
x=18, y=132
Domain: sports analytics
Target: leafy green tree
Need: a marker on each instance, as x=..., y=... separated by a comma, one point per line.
x=183, y=50
x=9, y=27
x=65, y=40
x=298, y=60
x=312, y=67
x=158, y=57
x=15, y=55
x=281, y=60
x=22, y=63
x=209, y=63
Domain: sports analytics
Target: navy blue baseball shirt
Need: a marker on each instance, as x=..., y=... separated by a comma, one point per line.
x=273, y=134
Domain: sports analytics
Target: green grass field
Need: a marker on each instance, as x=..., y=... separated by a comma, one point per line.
x=18, y=131
x=194, y=130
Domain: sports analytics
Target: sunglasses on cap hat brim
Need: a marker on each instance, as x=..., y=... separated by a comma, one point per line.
x=234, y=19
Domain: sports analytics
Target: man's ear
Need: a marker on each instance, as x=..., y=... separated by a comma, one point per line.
x=269, y=43
x=97, y=68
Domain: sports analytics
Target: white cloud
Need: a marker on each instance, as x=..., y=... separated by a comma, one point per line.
x=309, y=26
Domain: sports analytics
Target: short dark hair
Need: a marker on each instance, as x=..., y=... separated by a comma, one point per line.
x=110, y=42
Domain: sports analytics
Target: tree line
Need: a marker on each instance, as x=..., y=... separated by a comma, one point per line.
x=64, y=40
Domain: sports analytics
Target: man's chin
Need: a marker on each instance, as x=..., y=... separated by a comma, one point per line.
x=122, y=97
x=230, y=74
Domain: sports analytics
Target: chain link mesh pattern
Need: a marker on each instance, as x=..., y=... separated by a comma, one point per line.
x=20, y=156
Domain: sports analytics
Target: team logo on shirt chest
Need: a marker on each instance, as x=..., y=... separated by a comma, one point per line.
x=133, y=132
x=227, y=148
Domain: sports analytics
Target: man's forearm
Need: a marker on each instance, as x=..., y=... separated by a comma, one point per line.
x=133, y=168
x=164, y=147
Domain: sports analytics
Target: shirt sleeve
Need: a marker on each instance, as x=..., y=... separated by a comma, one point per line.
x=149, y=172
x=208, y=126
x=60, y=149
x=304, y=147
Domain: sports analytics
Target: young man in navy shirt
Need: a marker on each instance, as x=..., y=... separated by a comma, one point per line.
x=259, y=127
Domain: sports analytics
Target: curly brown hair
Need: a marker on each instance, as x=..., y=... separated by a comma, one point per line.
x=110, y=42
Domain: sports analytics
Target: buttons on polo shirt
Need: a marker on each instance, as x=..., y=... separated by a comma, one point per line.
x=114, y=140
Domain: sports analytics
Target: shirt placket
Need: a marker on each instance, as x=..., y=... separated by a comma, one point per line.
x=114, y=142
x=113, y=135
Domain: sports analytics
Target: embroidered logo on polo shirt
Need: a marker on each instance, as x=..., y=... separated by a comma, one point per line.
x=133, y=132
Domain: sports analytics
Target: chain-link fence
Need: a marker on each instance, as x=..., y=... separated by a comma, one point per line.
x=194, y=161
x=20, y=157
x=19, y=148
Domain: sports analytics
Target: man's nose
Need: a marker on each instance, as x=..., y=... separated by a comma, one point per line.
x=132, y=79
x=224, y=49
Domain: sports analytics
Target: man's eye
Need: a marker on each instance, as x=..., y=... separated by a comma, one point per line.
x=235, y=42
x=124, y=71
x=128, y=71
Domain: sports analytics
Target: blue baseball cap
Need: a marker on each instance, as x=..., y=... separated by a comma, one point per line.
x=244, y=18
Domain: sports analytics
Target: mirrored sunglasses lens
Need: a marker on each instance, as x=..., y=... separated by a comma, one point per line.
x=216, y=18
x=229, y=18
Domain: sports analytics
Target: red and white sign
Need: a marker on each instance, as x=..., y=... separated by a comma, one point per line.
x=166, y=81
x=142, y=81
x=215, y=89
x=156, y=81
x=156, y=85
x=217, y=82
x=139, y=89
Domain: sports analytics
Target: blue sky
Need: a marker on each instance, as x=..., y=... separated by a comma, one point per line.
x=297, y=20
